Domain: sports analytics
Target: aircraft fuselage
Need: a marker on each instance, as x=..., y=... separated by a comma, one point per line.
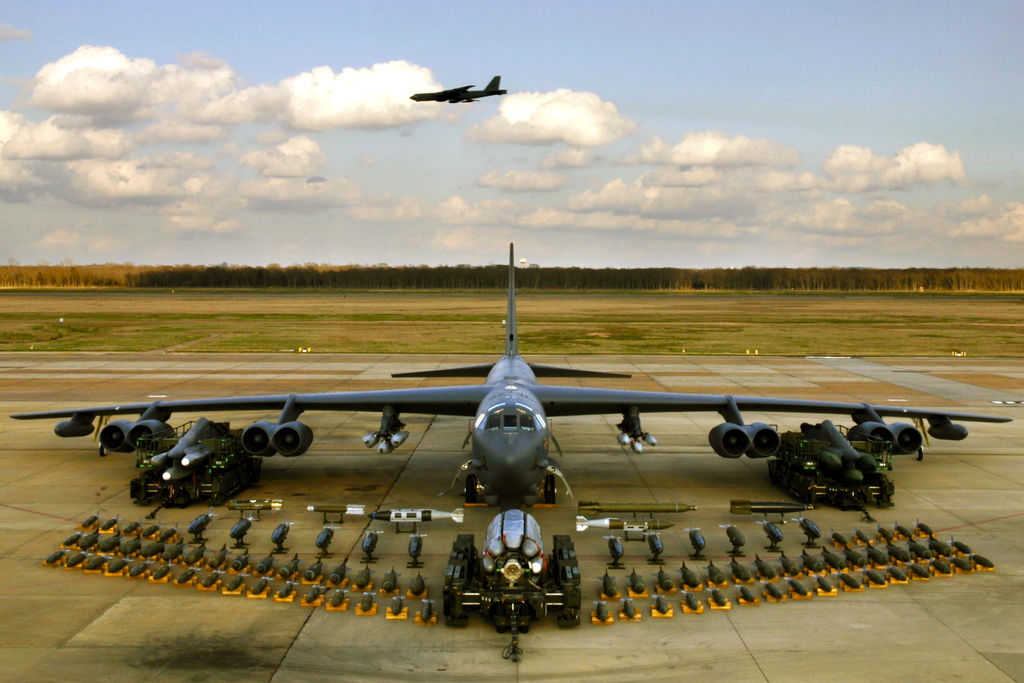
x=510, y=437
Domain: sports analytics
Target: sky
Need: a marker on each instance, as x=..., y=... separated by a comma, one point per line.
x=724, y=134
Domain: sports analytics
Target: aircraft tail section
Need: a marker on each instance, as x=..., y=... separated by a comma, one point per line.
x=495, y=84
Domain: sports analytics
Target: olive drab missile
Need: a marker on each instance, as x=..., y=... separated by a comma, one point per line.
x=362, y=579
x=366, y=604
x=789, y=566
x=885, y=535
x=149, y=531
x=812, y=564
x=314, y=571
x=960, y=546
x=747, y=597
x=286, y=591
x=690, y=578
x=261, y=586
x=216, y=561
x=941, y=567
x=736, y=539
x=313, y=594
x=637, y=584
x=855, y=558
x=211, y=580
x=160, y=572
x=89, y=540
x=389, y=584
x=836, y=562
x=764, y=569
x=850, y=582
x=899, y=554
x=962, y=565
x=897, y=574
x=417, y=587
x=902, y=532
x=240, y=562
x=152, y=549
x=95, y=563
x=839, y=540
x=601, y=614
x=129, y=546
x=289, y=569
x=337, y=575
x=797, y=589
x=89, y=522
x=919, y=550
x=878, y=556
x=194, y=555
x=426, y=614
x=172, y=551
x=233, y=584
x=661, y=605
x=861, y=538
x=131, y=528
x=740, y=573
x=109, y=543
x=116, y=566
x=940, y=547
x=716, y=577
x=337, y=598
x=186, y=576
x=923, y=530
x=665, y=583
x=167, y=535
x=773, y=592
x=691, y=604
x=697, y=542
x=876, y=578
x=592, y=507
x=629, y=609
x=72, y=540
x=717, y=599
x=266, y=565
x=982, y=563
x=825, y=587
x=766, y=507
x=608, y=587
x=57, y=555
x=136, y=570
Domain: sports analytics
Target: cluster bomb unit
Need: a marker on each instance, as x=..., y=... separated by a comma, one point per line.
x=510, y=580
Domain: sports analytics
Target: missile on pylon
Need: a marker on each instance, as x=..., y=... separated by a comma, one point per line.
x=593, y=507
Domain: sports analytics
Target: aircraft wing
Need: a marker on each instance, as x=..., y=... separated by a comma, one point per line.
x=457, y=400
x=561, y=401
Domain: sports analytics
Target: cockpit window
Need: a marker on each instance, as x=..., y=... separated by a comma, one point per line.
x=510, y=417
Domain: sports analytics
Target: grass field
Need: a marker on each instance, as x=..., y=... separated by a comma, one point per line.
x=569, y=323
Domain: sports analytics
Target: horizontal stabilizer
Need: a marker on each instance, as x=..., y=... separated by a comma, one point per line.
x=464, y=371
x=555, y=371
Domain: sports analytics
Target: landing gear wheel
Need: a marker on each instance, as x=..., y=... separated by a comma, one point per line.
x=103, y=452
x=549, y=490
x=471, y=494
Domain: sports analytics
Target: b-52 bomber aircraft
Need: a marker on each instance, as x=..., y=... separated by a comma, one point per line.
x=511, y=465
x=463, y=94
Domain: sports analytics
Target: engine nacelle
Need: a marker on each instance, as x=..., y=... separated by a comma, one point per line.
x=76, y=426
x=114, y=436
x=908, y=437
x=943, y=428
x=292, y=438
x=147, y=429
x=764, y=440
x=905, y=438
x=256, y=438
x=729, y=440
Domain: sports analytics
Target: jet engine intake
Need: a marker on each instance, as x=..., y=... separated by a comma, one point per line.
x=147, y=429
x=729, y=440
x=905, y=438
x=292, y=439
x=114, y=436
x=764, y=440
x=256, y=438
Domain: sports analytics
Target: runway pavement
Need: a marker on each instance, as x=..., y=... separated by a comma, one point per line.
x=60, y=624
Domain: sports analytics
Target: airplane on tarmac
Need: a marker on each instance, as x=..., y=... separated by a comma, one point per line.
x=463, y=94
x=511, y=465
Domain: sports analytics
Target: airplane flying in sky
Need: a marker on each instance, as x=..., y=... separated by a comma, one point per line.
x=510, y=465
x=463, y=94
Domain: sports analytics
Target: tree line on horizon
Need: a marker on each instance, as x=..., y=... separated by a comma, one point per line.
x=384, y=277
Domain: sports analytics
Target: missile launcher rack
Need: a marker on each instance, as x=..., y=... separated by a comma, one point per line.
x=227, y=470
x=796, y=469
x=468, y=588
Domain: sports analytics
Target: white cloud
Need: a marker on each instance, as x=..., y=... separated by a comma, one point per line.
x=102, y=81
x=9, y=33
x=570, y=157
x=377, y=97
x=148, y=180
x=858, y=169
x=578, y=119
x=715, y=148
x=300, y=194
x=52, y=142
x=980, y=217
x=296, y=157
x=173, y=130
x=523, y=181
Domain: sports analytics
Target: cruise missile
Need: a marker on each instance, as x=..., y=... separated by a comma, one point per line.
x=638, y=526
x=767, y=507
x=416, y=515
x=187, y=444
x=592, y=507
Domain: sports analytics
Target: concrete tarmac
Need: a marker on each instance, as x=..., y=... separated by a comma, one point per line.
x=62, y=624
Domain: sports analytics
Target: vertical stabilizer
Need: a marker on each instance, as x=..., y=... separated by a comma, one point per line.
x=495, y=84
x=511, y=343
